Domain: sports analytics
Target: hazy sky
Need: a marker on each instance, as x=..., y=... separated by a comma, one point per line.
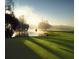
x=57, y=12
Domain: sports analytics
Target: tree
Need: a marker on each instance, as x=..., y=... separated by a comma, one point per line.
x=23, y=26
x=11, y=24
x=44, y=25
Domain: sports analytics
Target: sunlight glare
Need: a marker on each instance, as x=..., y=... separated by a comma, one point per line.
x=30, y=16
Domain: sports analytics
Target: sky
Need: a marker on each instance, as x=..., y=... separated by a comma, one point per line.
x=57, y=12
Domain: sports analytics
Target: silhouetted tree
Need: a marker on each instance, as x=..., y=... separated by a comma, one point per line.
x=11, y=23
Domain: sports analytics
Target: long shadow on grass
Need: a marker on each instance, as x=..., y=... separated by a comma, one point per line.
x=40, y=49
x=15, y=49
x=59, y=41
x=53, y=52
x=56, y=51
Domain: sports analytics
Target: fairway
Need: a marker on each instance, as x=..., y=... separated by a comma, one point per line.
x=56, y=45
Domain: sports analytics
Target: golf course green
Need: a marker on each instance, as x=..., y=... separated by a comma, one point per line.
x=55, y=45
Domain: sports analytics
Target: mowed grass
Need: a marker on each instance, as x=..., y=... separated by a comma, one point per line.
x=56, y=45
